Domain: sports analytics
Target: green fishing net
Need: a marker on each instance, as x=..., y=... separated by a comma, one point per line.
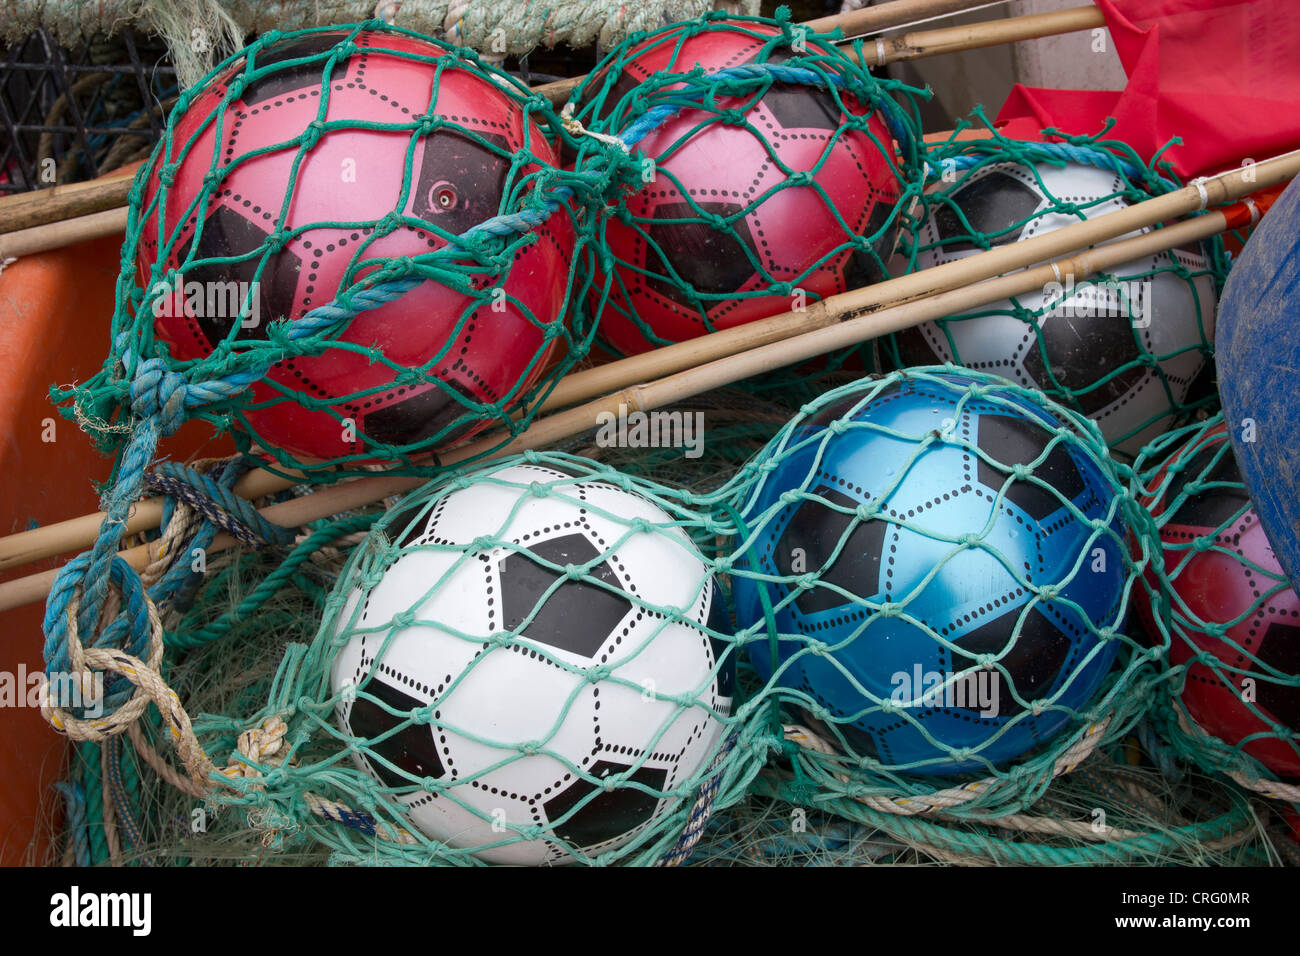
x=351, y=244
x=1232, y=701
x=757, y=199
x=1132, y=348
x=613, y=651
x=341, y=788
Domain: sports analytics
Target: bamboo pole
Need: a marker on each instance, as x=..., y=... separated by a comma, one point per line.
x=836, y=325
x=79, y=533
x=914, y=46
x=889, y=16
x=66, y=232
x=42, y=206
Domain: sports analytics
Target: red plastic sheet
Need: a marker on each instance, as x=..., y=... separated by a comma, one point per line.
x=1221, y=75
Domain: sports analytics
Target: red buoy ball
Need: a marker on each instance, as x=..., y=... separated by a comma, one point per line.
x=776, y=194
x=261, y=224
x=1243, y=680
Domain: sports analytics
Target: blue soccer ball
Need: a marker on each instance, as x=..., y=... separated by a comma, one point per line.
x=939, y=555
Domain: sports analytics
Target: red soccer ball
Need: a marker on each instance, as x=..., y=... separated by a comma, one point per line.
x=347, y=181
x=1218, y=586
x=736, y=173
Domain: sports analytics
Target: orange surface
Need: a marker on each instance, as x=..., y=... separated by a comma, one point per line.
x=54, y=328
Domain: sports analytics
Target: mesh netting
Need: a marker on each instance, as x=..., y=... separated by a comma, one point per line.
x=758, y=199
x=338, y=788
x=916, y=598
x=1132, y=348
x=341, y=289
x=422, y=251
x=935, y=572
x=1234, y=689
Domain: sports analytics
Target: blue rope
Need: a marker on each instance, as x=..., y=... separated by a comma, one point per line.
x=1063, y=153
x=74, y=825
x=216, y=500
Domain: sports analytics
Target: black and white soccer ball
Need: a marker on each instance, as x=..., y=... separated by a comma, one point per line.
x=1094, y=335
x=529, y=715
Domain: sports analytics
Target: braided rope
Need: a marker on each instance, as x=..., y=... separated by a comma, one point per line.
x=109, y=812
x=218, y=503
x=701, y=811
x=116, y=795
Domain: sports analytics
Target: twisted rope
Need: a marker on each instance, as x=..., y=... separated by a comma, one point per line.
x=1241, y=773
x=947, y=799
x=217, y=502
x=701, y=811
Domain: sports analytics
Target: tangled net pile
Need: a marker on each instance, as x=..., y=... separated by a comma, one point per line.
x=237, y=659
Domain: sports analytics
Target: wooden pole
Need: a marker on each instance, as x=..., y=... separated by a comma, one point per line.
x=888, y=16
x=67, y=232
x=836, y=326
x=79, y=533
x=41, y=206
x=914, y=46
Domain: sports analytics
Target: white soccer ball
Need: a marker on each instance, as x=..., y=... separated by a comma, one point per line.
x=1088, y=330
x=582, y=726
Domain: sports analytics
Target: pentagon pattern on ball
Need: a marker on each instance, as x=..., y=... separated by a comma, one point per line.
x=814, y=532
x=226, y=233
x=296, y=77
x=711, y=261
x=421, y=416
x=1073, y=348
x=460, y=181
x=995, y=205
x=796, y=107
x=610, y=813
x=578, y=616
x=1033, y=663
x=1209, y=507
x=1017, y=441
x=1279, y=649
x=411, y=749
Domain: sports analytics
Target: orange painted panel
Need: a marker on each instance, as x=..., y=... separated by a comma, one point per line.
x=54, y=328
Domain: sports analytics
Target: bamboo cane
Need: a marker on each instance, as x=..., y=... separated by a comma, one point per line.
x=42, y=206
x=835, y=326
x=914, y=46
x=899, y=13
x=79, y=533
x=66, y=232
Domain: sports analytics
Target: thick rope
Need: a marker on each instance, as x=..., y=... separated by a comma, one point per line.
x=198, y=31
x=951, y=797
